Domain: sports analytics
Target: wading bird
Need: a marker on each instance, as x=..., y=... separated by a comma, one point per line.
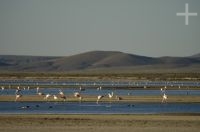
x=110, y=95
x=61, y=92
x=163, y=89
x=37, y=89
x=40, y=93
x=62, y=95
x=164, y=98
x=17, y=96
x=99, y=97
x=55, y=97
x=81, y=89
x=99, y=88
x=47, y=96
x=118, y=98
x=2, y=88
x=77, y=95
x=18, y=87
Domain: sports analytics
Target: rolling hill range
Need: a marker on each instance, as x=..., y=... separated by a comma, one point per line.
x=106, y=61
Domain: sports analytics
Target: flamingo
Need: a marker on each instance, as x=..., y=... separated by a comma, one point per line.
x=18, y=87
x=118, y=98
x=47, y=96
x=61, y=92
x=99, y=97
x=164, y=99
x=99, y=88
x=163, y=89
x=17, y=91
x=62, y=95
x=77, y=95
x=110, y=95
x=55, y=97
x=81, y=89
x=40, y=93
x=2, y=88
x=17, y=96
x=37, y=89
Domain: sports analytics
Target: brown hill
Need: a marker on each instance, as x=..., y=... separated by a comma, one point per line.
x=97, y=60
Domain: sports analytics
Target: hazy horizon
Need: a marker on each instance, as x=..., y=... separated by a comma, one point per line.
x=69, y=27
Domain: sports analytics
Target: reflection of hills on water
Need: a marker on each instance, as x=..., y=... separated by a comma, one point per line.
x=99, y=61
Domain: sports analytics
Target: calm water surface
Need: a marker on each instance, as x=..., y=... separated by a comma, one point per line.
x=93, y=108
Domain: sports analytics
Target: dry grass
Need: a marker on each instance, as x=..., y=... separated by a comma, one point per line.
x=99, y=123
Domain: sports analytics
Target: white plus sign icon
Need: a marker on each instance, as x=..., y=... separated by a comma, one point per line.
x=186, y=14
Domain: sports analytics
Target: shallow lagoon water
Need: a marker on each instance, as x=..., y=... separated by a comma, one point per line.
x=93, y=108
x=90, y=91
x=100, y=83
x=102, y=107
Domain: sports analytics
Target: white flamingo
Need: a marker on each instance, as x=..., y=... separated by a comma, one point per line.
x=17, y=96
x=81, y=89
x=17, y=91
x=2, y=88
x=40, y=93
x=99, y=88
x=61, y=92
x=47, y=96
x=77, y=95
x=37, y=89
x=110, y=95
x=99, y=97
x=118, y=98
x=62, y=95
x=164, y=99
x=163, y=89
x=55, y=97
x=18, y=88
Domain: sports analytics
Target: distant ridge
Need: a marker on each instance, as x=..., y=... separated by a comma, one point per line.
x=98, y=61
x=196, y=55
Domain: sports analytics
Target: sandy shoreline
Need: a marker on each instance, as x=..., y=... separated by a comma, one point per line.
x=89, y=98
x=97, y=123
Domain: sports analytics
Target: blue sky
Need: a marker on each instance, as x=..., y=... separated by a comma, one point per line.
x=67, y=27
